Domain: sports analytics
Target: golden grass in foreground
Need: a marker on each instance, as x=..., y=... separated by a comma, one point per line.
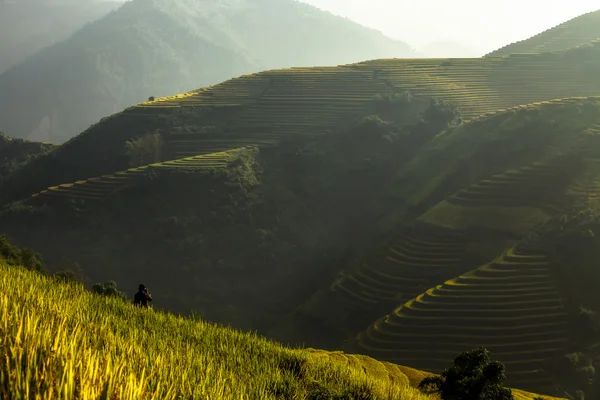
x=60, y=342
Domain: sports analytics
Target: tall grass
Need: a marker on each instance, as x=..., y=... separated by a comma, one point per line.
x=60, y=342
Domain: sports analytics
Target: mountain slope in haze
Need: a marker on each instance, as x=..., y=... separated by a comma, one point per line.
x=28, y=27
x=166, y=356
x=162, y=47
x=575, y=32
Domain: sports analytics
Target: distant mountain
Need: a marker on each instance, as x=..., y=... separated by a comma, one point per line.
x=449, y=50
x=575, y=32
x=26, y=27
x=162, y=47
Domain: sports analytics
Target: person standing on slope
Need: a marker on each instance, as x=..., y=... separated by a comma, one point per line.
x=142, y=297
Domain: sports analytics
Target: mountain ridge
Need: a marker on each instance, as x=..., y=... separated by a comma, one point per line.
x=575, y=32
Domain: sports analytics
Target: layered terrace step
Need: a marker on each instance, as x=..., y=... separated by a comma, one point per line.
x=405, y=268
x=512, y=306
x=98, y=188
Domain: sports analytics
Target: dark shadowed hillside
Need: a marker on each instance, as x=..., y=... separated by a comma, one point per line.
x=162, y=47
x=26, y=27
x=575, y=32
x=16, y=152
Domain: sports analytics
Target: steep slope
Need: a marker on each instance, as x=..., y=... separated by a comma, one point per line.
x=28, y=27
x=257, y=200
x=162, y=47
x=534, y=306
x=512, y=306
x=267, y=107
x=575, y=32
x=70, y=341
x=16, y=152
x=467, y=196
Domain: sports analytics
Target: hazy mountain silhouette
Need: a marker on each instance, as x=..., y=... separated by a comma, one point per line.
x=26, y=27
x=162, y=47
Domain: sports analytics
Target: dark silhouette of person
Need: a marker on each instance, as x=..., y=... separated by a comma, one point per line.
x=142, y=297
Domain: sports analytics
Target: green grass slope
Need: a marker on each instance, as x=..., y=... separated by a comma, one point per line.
x=266, y=107
x=70, y=343
x=162, y=47
x=578, y=31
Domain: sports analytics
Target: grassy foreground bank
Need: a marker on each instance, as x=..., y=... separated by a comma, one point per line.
x=61, y=342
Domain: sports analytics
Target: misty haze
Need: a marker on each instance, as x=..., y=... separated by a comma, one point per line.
x=283, y=199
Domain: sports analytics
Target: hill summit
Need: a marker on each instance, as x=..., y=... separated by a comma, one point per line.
x=578, y=31
x=162, y=47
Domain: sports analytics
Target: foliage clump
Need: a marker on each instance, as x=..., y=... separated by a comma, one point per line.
x=474, y=376
x=144, y=150
x=15, y=256
x=109, y=289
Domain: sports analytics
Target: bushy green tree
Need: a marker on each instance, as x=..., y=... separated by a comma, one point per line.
x=109, y=289
x=474, y=376
x=144, y=150
x=15, y=256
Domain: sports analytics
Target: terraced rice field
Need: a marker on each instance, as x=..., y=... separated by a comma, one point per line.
x=512, y=306
x=537, y=185
x=408, y=266
x=298, y=101
x=587, y=186
x=575, y=32
x=96, y=189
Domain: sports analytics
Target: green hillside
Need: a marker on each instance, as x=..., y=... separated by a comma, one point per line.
x=261, y=109
x=16, y=152
x=75, y=344
x=578, y=31
x=532, y=166
x=531, y=306
x=307, y=203
x=163, y=47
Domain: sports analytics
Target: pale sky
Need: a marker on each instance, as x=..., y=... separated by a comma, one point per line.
x=482, y=25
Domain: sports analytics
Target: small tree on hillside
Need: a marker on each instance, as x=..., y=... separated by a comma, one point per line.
x=108, y=289
x=144, y=150
x=474, y=376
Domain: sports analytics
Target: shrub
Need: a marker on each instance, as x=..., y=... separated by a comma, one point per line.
x=474, y=376
x=144, y=150
x=108, y=289
x=151, y=98
x=25, y=257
